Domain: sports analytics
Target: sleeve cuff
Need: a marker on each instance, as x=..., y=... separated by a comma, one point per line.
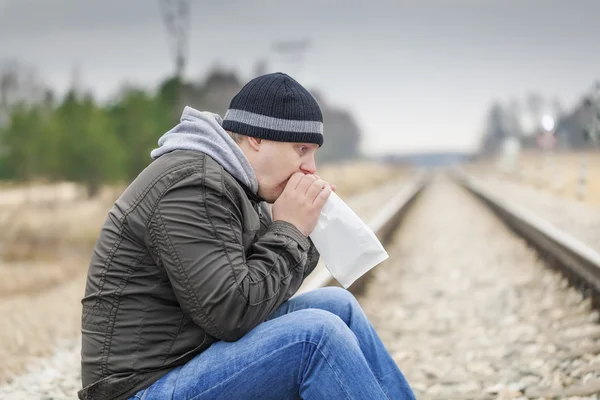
x=285, y=228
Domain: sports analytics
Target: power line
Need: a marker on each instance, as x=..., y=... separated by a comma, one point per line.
x=592, y=103
x=293, y=53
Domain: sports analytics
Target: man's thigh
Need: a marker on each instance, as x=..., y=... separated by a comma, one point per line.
x=264, y=364
x=333, y=299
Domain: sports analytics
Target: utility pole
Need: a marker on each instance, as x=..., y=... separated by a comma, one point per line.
x=592, y=134
x=595, y=125
x=176, y=15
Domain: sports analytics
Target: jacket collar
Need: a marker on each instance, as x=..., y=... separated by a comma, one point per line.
x=251, y=195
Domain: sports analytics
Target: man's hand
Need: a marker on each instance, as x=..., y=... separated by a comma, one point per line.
x=301, y=202
x=333, y=187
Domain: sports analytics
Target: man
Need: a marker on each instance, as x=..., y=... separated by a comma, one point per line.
x=189, y=286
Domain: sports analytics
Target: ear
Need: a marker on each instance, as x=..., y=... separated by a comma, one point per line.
x=254, y=142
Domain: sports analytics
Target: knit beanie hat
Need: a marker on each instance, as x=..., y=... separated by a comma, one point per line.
x=275, y=107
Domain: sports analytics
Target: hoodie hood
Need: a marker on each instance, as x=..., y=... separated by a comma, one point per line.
x=202, y=131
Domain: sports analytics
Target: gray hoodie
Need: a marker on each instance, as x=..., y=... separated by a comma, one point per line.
x=202, y=131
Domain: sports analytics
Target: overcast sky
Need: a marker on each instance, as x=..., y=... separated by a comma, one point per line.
x=417, y=75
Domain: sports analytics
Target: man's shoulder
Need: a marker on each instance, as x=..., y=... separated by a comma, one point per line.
x=189, y=167
x=176, y=162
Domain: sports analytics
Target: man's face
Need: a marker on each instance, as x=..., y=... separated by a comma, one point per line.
x=275, y=162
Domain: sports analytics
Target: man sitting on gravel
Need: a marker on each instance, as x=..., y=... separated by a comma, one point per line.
x=189, y=286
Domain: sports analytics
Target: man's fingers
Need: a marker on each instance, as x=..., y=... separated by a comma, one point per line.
x=305, y=183
x=322, y=197
x=295, y=180
x=314, y=189
x=333, y=187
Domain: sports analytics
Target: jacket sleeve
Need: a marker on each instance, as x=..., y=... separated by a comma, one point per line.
x=313, y=254
x=197, y=232
x=312, y=259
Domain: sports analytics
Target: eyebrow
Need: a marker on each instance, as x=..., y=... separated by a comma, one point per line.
x=310, y=145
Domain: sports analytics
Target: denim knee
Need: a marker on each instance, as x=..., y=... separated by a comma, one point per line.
x=319, y=325
x=339, y=298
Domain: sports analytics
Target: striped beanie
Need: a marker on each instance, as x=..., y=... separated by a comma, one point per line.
x=275, y=107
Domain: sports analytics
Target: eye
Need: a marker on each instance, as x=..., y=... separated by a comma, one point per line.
x=302, y=150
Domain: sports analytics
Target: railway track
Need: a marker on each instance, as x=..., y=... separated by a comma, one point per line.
x=579, y=262
x=470, y=310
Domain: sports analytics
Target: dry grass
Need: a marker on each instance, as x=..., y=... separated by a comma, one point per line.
x=32, y=324
x=46, y=234
x=558, y=173
x=12, y=194
x=354, y=177
x=42, y=228
x=34, y=277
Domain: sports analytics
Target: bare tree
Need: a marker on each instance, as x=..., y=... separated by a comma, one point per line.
x=535, y=104
x=18, y=84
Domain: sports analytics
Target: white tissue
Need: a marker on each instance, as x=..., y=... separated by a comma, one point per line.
x=348, y=246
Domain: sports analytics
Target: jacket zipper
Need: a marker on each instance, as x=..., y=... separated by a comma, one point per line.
x=258, y=210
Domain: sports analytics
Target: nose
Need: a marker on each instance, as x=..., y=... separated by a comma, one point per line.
x=309, y=167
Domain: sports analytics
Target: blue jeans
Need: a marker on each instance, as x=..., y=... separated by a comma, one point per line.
x=319, y=345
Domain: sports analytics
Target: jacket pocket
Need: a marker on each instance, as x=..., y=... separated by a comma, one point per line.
x=94, y=319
